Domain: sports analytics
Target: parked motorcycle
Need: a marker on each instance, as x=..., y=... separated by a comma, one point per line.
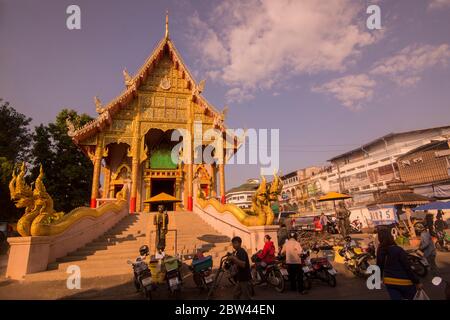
x=419, y=263
x=356, y=226
x=318, y=268
x=442, y=241
x=357, y=263
x=172, y=268
x=271, y=274
x=142, y=277
x=202, y=271
x=331, y=226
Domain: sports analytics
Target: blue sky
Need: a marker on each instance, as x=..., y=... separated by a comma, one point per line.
x=309, y=68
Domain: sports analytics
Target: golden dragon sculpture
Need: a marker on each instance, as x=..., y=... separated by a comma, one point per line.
x=260, y=213
x=40, y=218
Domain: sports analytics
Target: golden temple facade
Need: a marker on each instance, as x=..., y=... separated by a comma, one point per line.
x=130, y=140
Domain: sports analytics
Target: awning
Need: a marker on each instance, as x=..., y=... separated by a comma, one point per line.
x=162, y=198
x=438, y=205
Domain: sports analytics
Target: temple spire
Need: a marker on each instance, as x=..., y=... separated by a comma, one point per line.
x=167, y=24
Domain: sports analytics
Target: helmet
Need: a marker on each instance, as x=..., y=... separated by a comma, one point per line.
x=143, y=250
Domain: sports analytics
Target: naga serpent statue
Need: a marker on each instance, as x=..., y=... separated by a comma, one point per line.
x=260, y=213
x=40, y=218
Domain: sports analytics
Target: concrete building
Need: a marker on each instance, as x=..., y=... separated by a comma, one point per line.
x=289, y=197
x=242, y=195
x=364, y=171
x=426, y=169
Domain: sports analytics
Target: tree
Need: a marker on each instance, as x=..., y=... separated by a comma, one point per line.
x=14, y=146
x=68, y=172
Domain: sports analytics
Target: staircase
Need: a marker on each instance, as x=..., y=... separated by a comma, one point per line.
x=107, y=255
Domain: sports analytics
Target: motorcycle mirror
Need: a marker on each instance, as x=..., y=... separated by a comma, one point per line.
x=436, y=281
x=129, y=262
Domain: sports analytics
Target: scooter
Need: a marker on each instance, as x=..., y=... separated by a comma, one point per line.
x=356, y=226
x=272, y=274
x=357, y=263
x=442, y=242
x=317, y=268
x=142, y=277
x=202, y=271
x=331, y=227
x=173, y=275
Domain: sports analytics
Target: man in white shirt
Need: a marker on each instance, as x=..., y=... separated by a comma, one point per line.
x=292, y=250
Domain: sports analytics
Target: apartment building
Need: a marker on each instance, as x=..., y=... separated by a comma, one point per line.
x=364, y=171
x=242, y=195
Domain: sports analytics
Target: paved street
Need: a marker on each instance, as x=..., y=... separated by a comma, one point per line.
x=121, y=287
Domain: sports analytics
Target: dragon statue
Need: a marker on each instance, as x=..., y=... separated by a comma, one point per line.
x=260, y=213
x=40, y=218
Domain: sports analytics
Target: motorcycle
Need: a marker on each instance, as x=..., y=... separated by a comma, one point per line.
x=173, y=275
x=356, y=226
x=419, y=263
x=202, y=271
x=357, y=263
x=442, y=241
x=318, y=268
x=271, y=274
x=142, y=277
x=331, y=226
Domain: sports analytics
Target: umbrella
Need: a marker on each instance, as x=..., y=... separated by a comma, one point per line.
x=162, y=198
x=438, y=205
x=333, y=196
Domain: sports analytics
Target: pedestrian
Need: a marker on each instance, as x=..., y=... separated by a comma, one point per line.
x=292, y=250
x=343, y=215
x=241, y=266
x=323, y=221
x=400, y=280
x=428, y=248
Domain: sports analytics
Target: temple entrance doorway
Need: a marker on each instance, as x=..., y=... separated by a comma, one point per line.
x=163, y=185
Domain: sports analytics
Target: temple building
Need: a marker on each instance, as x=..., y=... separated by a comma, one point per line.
x=130, y=140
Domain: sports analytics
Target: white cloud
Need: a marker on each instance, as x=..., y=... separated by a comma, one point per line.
x=238, y=95
x=351, y=91
x=438, y=4
x=256, y=44
x=406, y=66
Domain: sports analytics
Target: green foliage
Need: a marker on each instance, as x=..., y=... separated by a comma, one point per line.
x=14, y=146
x=68, y=172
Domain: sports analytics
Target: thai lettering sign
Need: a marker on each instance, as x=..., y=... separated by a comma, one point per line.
x=383, y=215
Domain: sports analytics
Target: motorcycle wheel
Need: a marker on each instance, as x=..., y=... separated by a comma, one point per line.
x=276, y=279
x=331, y=280
x=417, y=266
x=147, y=293
x=307, y=283
x=363, y=268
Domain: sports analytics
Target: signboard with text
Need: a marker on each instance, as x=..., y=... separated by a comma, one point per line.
x=383, y=215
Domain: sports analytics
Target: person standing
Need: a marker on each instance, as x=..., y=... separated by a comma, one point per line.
x=428, y=248
x=161, y=222
x=343, y=215
x=241, y=264
x=400, y=280
x=323, y=221
x=292, y=250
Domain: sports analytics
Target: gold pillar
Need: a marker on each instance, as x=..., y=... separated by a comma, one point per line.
x=97, y=168
x=107, y=176
x=148, y=194
x=214, y=181
x=135, y=161
x=177, y=192
x=222, y=182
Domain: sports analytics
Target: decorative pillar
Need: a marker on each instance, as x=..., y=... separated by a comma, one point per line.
x=97, y=159
x=148, y=194
x=107, y=176
x=222, y=182
x=214, y=181
x=177, y=192
x=135, y=161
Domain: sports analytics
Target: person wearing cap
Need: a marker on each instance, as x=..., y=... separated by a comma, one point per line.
x=292, y=250
x=266, y=256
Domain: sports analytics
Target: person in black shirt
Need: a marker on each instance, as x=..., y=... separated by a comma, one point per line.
x=241, y=264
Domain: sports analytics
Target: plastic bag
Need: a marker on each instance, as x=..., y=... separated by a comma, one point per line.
x=421, y=295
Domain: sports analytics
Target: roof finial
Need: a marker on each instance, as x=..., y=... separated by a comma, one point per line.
x=167, y=24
